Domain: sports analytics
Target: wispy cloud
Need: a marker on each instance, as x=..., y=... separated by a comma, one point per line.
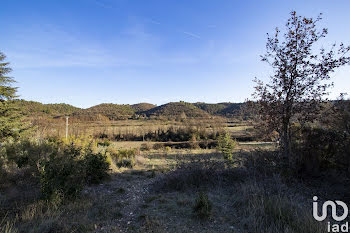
x=150, y=20
x=52, y=47
x=191, y=34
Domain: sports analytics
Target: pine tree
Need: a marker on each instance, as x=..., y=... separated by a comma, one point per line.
x=226, y=145
x=10, y=120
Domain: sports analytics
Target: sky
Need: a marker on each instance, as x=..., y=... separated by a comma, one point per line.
x=87, y=52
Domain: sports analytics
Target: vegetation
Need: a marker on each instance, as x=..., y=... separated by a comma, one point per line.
x=62, y=168
x=300, y=77
x=61, y=178
x=109, y=111
x=177, y=110
x=226, y=145
x=123, y=157
x=142, y=107
x=202, y=207
x=36, y=109
x=10, y=122
x=221, y=109
x=147, y=168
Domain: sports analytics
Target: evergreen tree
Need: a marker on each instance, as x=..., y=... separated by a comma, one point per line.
x=10, y=121
x=226, y=145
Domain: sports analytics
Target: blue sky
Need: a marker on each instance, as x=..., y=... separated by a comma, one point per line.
x=86, y=52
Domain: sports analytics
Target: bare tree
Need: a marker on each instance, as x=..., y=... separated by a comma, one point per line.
x=300, y=77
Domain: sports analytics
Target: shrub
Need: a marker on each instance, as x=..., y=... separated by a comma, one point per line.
x=62, y=167
x=202, y=207
x=123, y=157
x=78, y=145
x=103, y=135
x=105, y=143
x=320, y=149
x=145, y=147
x=61, y=177
x=167, y=149
x=73, y=150
x=29, y=152
x=96, y=168
x=127, y=153
x=158, y=146
x=226, y=145
x=265, y=163
x=128, y=163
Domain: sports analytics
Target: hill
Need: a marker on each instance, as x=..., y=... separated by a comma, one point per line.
x=213, y=109
x=33, y=108
x=109, y=111
x=177, y=109
x=231, y=110
x=141, y=107
x=221, y=109
x=106, y=111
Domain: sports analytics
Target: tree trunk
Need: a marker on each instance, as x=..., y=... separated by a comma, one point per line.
x=285, y=141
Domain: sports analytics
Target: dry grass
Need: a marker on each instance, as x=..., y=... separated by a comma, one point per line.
x=240, y=201
x=56, y=127
x=249, y=206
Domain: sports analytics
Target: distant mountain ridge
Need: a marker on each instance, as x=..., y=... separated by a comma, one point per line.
x=33, y=108
x=222, y=109
x=110, y=111
x=177, y=109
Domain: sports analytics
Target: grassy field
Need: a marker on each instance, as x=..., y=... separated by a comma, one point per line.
x=167, y=189
x=56, y=127
x=159, y=193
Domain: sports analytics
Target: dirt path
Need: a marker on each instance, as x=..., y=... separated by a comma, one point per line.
x=135, y=193
x=121, y=198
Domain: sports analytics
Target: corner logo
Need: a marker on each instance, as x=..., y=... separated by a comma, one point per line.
x=336, y=207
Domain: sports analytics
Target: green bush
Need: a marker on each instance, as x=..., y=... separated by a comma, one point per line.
x=62, y=167
x=29, y=152
x=105, y=143
x=226, y=145
x=61, y=177
x=96, y=168
x=167, y=149
x=123, y=157
x=202, y=207
x=127, y=153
